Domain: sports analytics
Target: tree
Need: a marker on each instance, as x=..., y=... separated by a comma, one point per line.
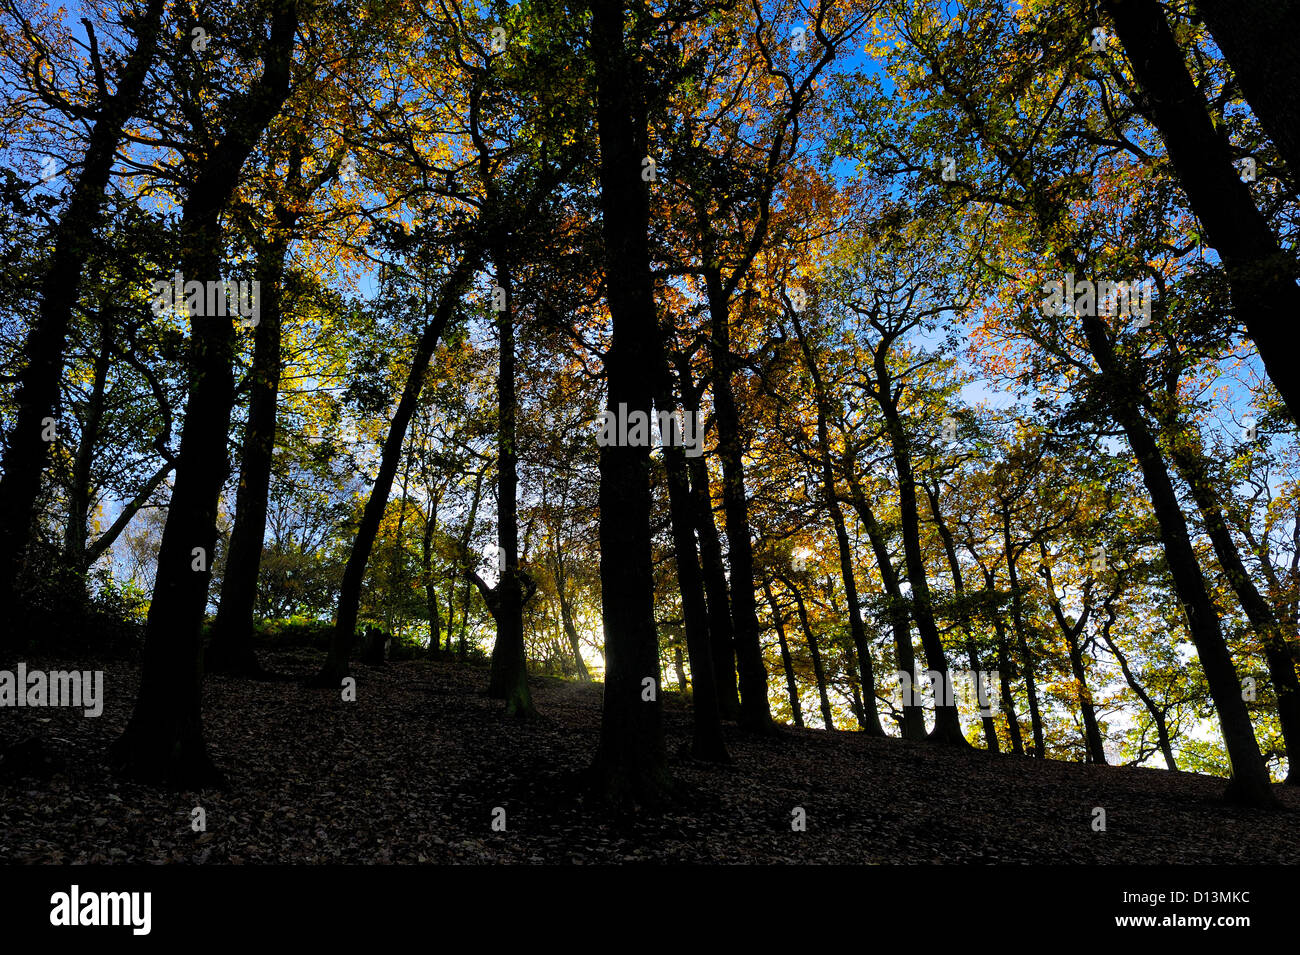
x=1260, y=273
x=509, y=679
x=832, y=504
x=1045, y=211
x=26, y=448
x=1247, y=33
x=164, y=738
x=630, y=766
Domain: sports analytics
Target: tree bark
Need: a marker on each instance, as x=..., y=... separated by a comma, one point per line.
x=132, y=507
x=461, y=648
x=1191, y=465
x=1204, y=167
x=1250, y=782
x=378, y=641
x=566, y=615
x=1094, y=748
x=79, y=494
x=1008, y=699
x=679, y=669
x=430, y=589
x=1018, y=625
x=963, y=616
x=1004, y=671
x=1157, y=714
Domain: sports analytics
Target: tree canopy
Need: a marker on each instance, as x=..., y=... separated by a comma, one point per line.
x=910, y=367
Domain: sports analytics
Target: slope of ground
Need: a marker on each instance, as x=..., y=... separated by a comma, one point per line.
x=414, y=769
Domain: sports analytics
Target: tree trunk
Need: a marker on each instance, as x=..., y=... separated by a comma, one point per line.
x=1261, y=274
x=1093, y=743
x=451, y=618
x=1008, y=699
x=336, y=664
x=870, y=715
x=630, y=768
x=1157, y=714
x=1247, y=32
x=947, y=724
x=461, y=649
x=566, y=616
x=435, y=620
x=132, y=507
x=856, y=701
x=430, y=590
x=963, y=616
x=707, y=742
x=1261, y=291
x=508, y=678
x=913, y=724
x=37, y=396
x=164, y=739
x=982, y=693
x=755, y=714
x=679, y=668
x=1250, y=782
x=791, y=686
x=721, y=639
x=1018, y=624
x=1094, y=747
x=79, y=494
x=819, y=672
x=1191, y=465
x=231, y=646
x=378, y=643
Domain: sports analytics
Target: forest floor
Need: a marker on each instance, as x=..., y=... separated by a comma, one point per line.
x=414, y=769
